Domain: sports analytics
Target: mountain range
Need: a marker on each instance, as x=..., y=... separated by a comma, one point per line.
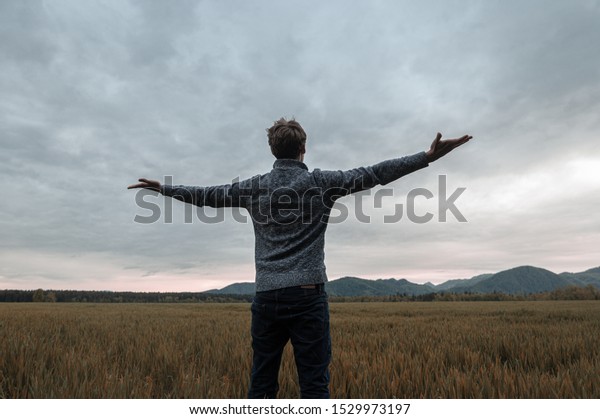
x=521, y=280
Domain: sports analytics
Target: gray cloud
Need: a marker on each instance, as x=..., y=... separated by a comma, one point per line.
x=95, y=95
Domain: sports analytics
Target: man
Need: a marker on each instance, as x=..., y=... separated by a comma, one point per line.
x=290, y=207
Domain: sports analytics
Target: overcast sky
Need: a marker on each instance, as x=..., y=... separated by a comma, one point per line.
x=95, y=94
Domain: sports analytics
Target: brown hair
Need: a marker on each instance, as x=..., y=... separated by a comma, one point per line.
x=286, y=139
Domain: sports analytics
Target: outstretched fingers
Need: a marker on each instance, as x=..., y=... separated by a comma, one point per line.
x=146, y=183
x=455, y=142
x=462, y=140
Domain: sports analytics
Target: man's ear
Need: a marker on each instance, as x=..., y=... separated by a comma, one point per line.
x=303, y=149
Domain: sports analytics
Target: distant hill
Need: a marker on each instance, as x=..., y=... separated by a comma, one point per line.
x=520, y=280
x=239, y=288
x=345, y=287
x=453, y=283
x=589, y=277
x=355, y=287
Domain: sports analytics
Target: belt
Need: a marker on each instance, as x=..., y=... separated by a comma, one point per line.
x=311, y=286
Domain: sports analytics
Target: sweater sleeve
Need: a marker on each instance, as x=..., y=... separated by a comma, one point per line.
x=390, y=170
x=343, y=182
x=230, y=195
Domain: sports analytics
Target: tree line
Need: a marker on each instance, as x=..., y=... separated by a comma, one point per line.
x=571, y=292
x=70, y=296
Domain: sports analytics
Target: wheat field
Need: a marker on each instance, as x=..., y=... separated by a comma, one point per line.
x=546, y=349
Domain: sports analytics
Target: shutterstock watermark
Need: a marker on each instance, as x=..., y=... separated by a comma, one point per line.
x=250, y=201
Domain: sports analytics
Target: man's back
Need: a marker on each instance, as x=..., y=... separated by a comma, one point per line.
x=289, y=212
x=290, y=208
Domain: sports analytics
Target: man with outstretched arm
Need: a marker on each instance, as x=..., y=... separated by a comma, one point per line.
x=290, y=208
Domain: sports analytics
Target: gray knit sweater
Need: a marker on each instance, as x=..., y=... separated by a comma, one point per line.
x=290, y=208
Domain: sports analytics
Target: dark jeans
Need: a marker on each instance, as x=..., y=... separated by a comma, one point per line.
x=302, y=316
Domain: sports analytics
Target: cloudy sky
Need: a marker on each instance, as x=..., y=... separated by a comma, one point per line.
x=95, y=94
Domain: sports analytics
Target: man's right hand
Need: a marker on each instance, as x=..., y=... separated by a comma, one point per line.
x=147, y=184
x=440, y=148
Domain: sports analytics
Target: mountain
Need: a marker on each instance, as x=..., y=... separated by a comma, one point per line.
x=519, y=280
x=345, y=287
x=453, y=283
x=239, y=288
x=589, y=277
x=354, y=287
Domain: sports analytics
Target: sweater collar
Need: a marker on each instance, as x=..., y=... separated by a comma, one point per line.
x=289, y=164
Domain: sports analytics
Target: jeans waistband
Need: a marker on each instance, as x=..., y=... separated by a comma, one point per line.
x=309, y=287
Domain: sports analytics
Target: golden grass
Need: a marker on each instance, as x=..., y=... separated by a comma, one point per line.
x=380, y=350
